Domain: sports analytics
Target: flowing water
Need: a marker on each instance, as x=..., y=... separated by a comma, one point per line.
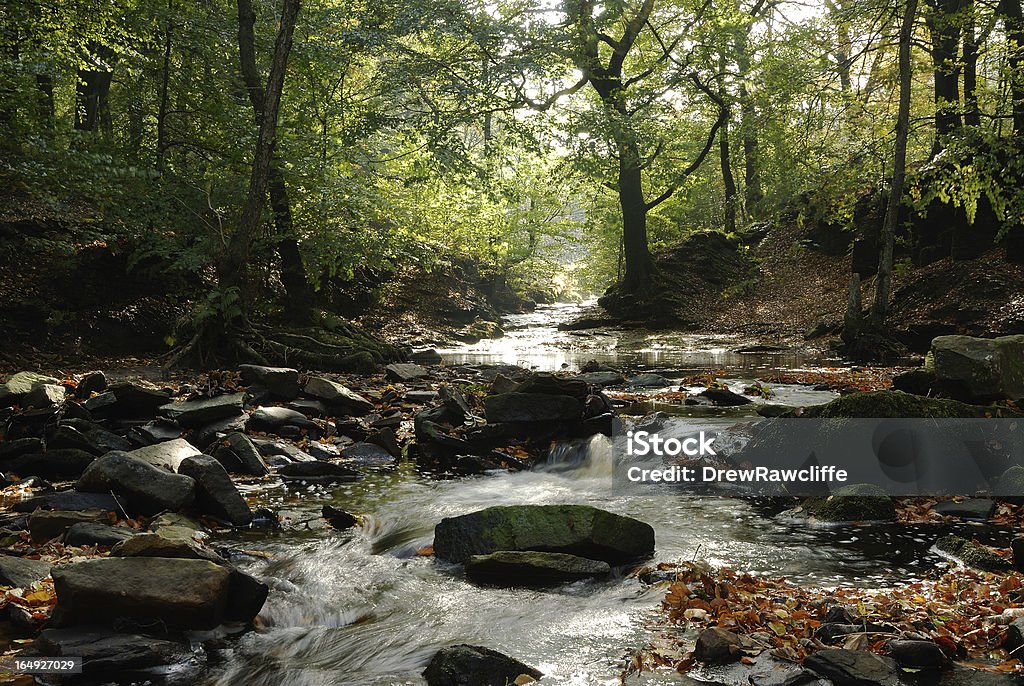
x=362, y=608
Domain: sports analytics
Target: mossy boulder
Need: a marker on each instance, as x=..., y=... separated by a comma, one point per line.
x=573, y=529
x=980, y=368
x=853, y=503
x=971, y=554
x=896, y=404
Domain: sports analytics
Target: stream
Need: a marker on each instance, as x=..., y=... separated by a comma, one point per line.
x=361, y=607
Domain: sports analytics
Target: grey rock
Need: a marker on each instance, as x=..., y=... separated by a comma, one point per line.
x=128, y=399
x=93, y=382
x=602, y=378
x=980, y=369
x=913, y=654
x=368, y=454
x=282, y=382
x=723, y=397
x=91, y=533
x=1010, y=484
x=216, y=494
x=98, y=436
x=428, y=356
x=155, y=545
x=853, y=667
x=181, y=593
x=574, y=529
x=46, y=525
x=975, y=509
x=19, y=385
x=19, y=447
x=21, y=573
x=717, y=646
x=68, y=500
x=649, y=381
x=532, y=568
x=404, y=371
x=338, y=397
x=531, y=407
x=275, y=419
x=205, y=410
x=124, y=657
x=339, y=519
x=44, y=395
x=325, y=472
x=208, y=433
x=55, y=465
x=240, y=455
x=167, y=455
x=420, y=397
x=143, y=487
x=467, y=665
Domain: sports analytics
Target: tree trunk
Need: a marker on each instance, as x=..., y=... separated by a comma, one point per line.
x=727, y=178
x=293, y=273
x=637, y=256
x=943, y=25
x=233, y=267
x=752, y=192
x=165, y=80
x=1013, y=21
x=883, y=284
x=972, y=115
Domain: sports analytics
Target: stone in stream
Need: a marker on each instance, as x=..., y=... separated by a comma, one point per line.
x=531, y=568
x=649, y=381
x=420, y=397
x=96, y=435
x=980, y=369
x=45, y=525
x=167, y=455
x=913, y=654
x=971, y=554
x=574, y=529
x=128, y=399
x=339, y=519
x=21, y=384
x=240, y=455
x=338, y=397
x=718, y=646
x=68, y=500
x=895, y=404
x=44, y=395
x=853, y=667
x=124, y=657
x=428, y=356
x=93, y=382
x=192, y=413
x=853, y=503
x=216, y=494
x=180, y=593
x=277, y=419
x=93, y=533
x=144, y=488
x=723, y=397
x=156, y=431
x=369, y=454
x=21, y=573
x=467, y=665
x=269, y=447
x=549, y=384
x=404, y=371
x=318, y=471
x=974, y=509
x=601, y=378
x=20, y=446
x=516, y=408
x=57, y=465
x=281, y=382
x=154, y=545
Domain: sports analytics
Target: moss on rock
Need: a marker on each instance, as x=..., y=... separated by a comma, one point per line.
x=853, y=503
x=896, y=404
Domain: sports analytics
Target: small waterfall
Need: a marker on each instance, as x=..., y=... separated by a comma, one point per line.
x=584, y=457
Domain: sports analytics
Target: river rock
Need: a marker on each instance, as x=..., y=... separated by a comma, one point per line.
x=896, y=404
x=202, y=411
x=404, y=371
x=55, y=465
x=278, y=419
x=853, y=667
x=216, y=494
x=128, y=399
x=368, y=454
x=92, y=533
x=20, y=446
x=912, y=654
x=281, y=382
x=980, y=369
x=854, y=503
x=1014, y=638
x=649, y=381
x=324, y=472
x=974, y=509
x=723, y=397
x=1010, y=484
x=96, y=435
x=143, y=487
x=150, y=544
x=167, y=455
x=124, y=657
x=19, y=385
x=20, y=572
x=467, y=665
x=919, y=381
x=156, y=431
x=339, y=519
x=531, y=568
x=574, y=529
x=44, y=395
x=718, y=646
x=971, y=554
x=550, y=384
x=181, y=593
x=45, y=525
x=93, y=382
x=531, y=407
x=178, y=527
x=338, y=397
x=240, y=455
x=68, y=500
x=601, y=378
